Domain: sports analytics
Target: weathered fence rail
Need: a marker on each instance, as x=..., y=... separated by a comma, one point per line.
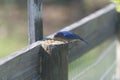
x=49, y=62
x=21, y=65
x=94, y=28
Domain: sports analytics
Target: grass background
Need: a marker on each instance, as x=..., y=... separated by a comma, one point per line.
x=89, y=58
x=11, y=44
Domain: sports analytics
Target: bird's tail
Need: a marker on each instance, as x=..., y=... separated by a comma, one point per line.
x=86, y=42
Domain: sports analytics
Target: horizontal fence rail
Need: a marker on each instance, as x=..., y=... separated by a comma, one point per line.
x=21, y=65
x=94, y=28
x=27, y=64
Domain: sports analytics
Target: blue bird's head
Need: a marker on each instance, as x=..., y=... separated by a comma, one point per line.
x=59, y=34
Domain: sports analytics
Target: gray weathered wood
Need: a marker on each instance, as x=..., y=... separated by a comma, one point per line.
x=35, y=20
x=94, y=28
x=21, y=65
x=25, y=64
x=118, y=48
x=37, y=61
x=54, y=62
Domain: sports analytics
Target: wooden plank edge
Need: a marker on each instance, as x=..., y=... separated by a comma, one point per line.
x=20, y=52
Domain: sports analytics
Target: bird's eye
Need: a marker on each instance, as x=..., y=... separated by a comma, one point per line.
x=58, y=35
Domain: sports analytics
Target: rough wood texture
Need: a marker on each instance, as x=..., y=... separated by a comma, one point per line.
x=55, y=66
x=35, y=20
x=21, y=65
x=25, y=64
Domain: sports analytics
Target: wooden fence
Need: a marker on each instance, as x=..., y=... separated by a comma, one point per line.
x=41, y=61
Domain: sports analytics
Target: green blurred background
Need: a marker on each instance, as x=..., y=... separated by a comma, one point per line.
x=56, y=15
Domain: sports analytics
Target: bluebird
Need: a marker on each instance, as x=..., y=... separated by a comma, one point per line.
x=68, y=36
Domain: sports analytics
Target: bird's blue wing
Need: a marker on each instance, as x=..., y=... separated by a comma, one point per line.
x=70, y=35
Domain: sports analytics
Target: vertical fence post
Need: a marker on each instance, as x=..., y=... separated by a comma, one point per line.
x=35, y=20
x=54, y=62
x=118, y=48
x=118, y=61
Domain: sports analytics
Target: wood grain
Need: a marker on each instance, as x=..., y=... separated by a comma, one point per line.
x=54, y=62
x=21, y=65
x=35, y=20
x=26, y=63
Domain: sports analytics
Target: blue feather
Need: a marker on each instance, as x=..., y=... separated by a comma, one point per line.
x=69, y=35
